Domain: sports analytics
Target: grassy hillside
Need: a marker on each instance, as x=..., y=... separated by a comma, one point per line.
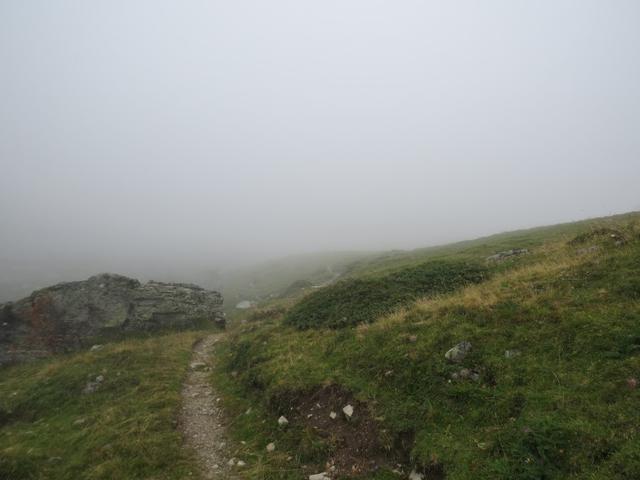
x=547, y=391
x=355, y=300
x=125, y=429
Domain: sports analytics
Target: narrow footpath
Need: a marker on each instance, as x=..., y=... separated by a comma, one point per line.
x=201, y=418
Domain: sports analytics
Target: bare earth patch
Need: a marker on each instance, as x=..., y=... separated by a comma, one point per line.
x=201, y=419
x=356, y=442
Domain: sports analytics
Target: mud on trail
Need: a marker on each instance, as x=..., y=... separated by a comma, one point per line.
x=202, y=419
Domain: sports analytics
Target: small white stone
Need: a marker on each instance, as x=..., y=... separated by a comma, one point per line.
x=197, y=366
x=282, y=421
x=415, y=475
x=333, y=415
x=348, y=411
x=271, y=447
x=319, y=476
x=240, y=463
x=231, y=462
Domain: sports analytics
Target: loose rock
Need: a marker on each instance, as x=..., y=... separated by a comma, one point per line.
x=198, y=366
x=319, y=476
x=348, y=411
x=506, y=254
x=458, y=352
x=91, y=387
x=271, y=447
x=282, y=421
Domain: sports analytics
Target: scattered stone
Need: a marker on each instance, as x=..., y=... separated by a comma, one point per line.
x=198, y=366
x=80, y=421
x=96, y=348
x=241, y=463
x=319, y=476
x=231, y=462
x=54, y=459
x=271, y=447
x=91, y=387
x=348, y=411
x=282, y=421
x=333, y=415
x=245, y=304
x=459, y=352
x=511, y=353
x=632, y=383
x=466, y=374
x=413, y=338
x=415, y=475
x=506, y=254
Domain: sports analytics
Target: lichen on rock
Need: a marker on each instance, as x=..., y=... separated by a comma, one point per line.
x=66, y=315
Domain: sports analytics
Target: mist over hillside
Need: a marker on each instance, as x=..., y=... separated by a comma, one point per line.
x=176, y=140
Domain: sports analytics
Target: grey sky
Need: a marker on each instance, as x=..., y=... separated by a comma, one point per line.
x=203, y=131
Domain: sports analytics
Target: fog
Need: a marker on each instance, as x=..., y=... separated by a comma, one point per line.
x=176, y=138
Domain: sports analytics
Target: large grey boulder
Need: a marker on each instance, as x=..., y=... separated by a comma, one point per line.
x=68, y=314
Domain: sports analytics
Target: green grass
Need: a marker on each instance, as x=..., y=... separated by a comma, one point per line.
x=561, y=409
x=125, y=430
x=354, y=301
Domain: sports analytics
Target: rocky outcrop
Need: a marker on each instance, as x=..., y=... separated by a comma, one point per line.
x=507, y=254
x=66, y=315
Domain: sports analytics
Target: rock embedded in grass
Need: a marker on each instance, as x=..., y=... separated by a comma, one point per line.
x=198, y=366
x=458, y=352
x=282, y=421
x=91, y=387
x=319, y=476
x=271, y=447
